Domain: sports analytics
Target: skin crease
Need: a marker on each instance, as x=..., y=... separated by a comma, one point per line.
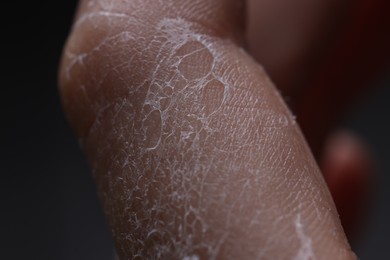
x=194, y=152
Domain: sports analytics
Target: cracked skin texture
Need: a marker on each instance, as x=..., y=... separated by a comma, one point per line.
x=193, y=150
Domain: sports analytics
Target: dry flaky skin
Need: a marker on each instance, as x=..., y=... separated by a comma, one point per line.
x=194, y=153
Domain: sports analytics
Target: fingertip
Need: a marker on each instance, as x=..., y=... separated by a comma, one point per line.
x=348, y=168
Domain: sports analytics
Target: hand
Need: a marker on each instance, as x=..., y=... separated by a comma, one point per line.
x=193, y=149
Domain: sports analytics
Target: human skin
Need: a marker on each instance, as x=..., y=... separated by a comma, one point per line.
x=324, y=55
x=194, y=152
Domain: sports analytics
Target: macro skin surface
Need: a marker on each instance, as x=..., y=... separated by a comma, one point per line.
x=193, y=150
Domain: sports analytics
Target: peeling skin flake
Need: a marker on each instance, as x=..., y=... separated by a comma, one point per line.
x=305, y=251
x=192, y=257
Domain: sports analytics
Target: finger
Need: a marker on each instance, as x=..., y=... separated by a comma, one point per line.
x=193, y=150
x=304, y=43
x=353, y=58
x=289, y=38
x=98, y=21
x=348, y=169
x=314, y=51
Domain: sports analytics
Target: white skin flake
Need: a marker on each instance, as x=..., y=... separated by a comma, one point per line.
x=192, y=257
x=305, y=251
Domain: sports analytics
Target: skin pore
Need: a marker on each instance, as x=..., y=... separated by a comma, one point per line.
x=194, y=152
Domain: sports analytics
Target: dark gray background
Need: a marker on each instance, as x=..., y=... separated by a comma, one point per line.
x=49, y=207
